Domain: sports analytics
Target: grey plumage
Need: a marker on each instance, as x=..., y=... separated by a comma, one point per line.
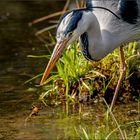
x=128, y=10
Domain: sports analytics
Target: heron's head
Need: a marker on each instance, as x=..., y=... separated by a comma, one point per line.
x=70, y=27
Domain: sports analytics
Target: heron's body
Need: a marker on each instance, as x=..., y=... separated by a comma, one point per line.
x=99, y=31
x=105, y=32
x=124, y=28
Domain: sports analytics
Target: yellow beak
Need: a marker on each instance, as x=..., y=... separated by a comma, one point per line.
x=57, y=52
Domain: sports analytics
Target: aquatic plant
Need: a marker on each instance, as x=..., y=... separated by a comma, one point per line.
x=77, y=79
x=130, y=131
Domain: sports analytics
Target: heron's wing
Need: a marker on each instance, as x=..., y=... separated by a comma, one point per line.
x=129, y=10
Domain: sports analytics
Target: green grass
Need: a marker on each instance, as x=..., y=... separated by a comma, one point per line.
x=77, y=79
x=130, y=132
x=75, y=75
x=110, y=127
x=89, y=125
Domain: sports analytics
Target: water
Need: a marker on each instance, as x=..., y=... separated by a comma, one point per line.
x=17, y=40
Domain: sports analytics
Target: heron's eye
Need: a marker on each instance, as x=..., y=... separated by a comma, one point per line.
x=70, y=33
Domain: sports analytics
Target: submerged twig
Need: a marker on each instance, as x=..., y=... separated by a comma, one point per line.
x=35, y=111
x=77, y=4
x=46, y=17
x=45, y=29
x=66, y=5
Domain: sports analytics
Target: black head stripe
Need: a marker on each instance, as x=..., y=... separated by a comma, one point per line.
x=75, y=18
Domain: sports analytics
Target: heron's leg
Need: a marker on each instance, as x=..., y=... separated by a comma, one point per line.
x=122, y=75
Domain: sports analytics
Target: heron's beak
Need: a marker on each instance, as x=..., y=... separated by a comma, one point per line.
x=57, y=52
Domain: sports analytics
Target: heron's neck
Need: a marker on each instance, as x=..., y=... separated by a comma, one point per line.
x=101, y=43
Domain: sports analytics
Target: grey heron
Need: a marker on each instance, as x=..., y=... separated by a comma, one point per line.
x=100, y=31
